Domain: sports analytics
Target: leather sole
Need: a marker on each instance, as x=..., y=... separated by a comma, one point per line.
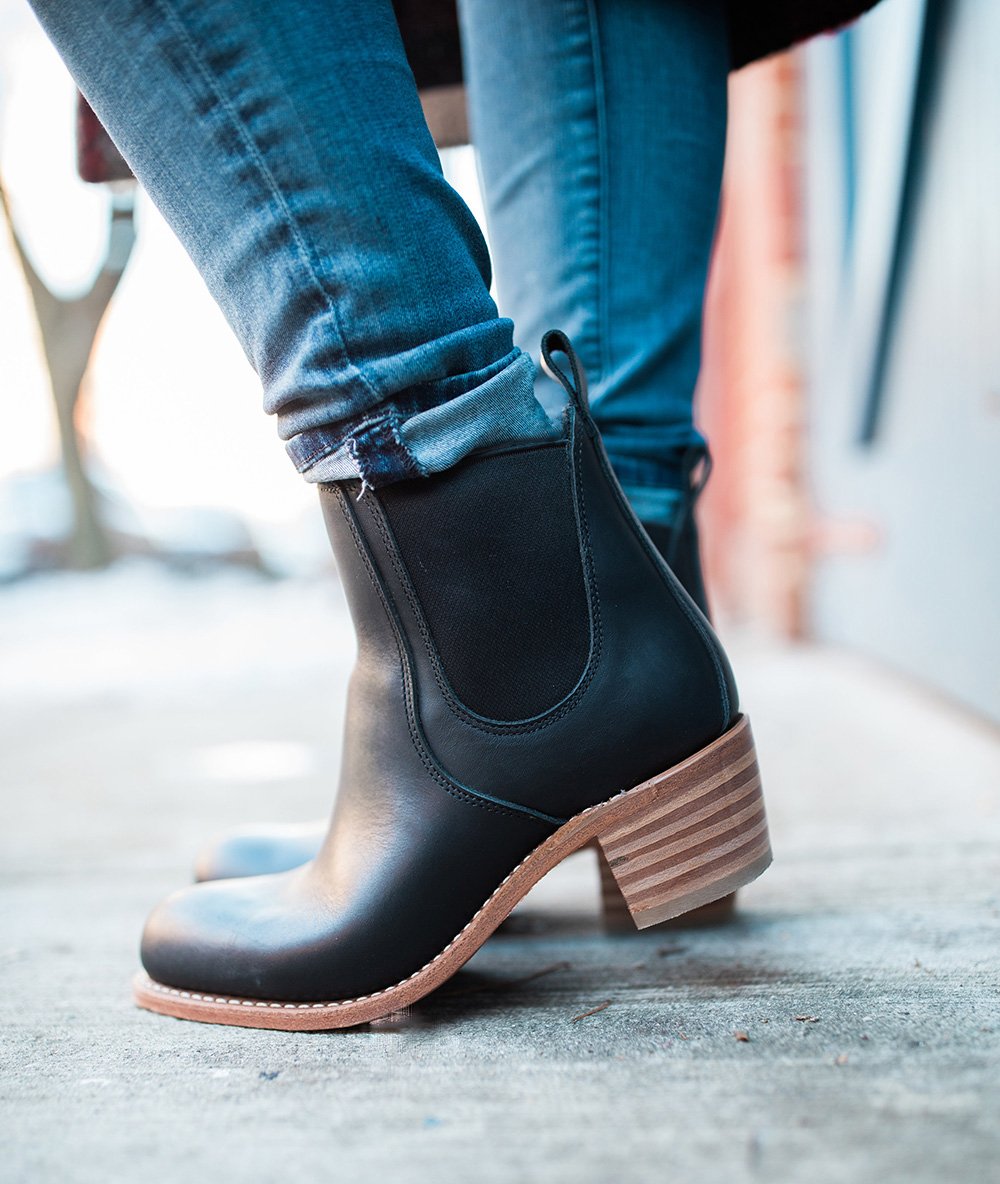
x=683, y=839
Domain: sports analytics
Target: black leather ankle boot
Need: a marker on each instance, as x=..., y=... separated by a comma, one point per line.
x=264, y=850
x=530, y=679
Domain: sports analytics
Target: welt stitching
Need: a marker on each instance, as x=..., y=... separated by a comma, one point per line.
x=514, y=727
x=340, y=1003
x=449, y=786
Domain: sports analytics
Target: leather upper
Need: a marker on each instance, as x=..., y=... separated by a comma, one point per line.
x=437, y=804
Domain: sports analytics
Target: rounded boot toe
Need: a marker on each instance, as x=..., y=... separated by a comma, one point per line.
x=242, y=937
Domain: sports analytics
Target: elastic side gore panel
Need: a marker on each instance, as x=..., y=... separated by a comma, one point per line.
x=493, y=551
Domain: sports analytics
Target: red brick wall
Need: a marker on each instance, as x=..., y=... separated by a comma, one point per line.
x=755, y=517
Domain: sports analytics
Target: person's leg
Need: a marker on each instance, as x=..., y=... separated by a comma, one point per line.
x=600, y=135
x=286, y=146
x=529, y=676
x=600, y=129
x=600, y=145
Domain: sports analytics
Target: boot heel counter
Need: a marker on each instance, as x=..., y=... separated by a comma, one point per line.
x=722, y=691
x=728, y=691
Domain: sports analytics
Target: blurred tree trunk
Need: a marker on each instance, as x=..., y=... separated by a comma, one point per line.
x=68, y=330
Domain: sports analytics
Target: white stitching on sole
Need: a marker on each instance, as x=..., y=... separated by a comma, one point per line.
x=340, y=1004
x=161, y=989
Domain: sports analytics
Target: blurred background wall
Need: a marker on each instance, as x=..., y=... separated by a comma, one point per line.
x=851, y=386
x=852, y=381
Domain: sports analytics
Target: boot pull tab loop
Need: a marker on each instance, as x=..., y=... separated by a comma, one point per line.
x=555, y=341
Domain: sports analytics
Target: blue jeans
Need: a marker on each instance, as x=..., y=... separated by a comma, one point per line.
x=600, y=130
x=286, y=146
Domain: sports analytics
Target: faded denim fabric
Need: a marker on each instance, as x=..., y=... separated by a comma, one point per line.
x=600, y=130
x=286, y=146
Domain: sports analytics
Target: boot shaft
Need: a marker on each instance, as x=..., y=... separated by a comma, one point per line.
x=536, y=631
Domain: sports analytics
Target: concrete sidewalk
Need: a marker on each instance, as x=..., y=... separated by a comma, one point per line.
x=139, y=714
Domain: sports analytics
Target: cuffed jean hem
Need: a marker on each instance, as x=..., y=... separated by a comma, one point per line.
x=398, y=443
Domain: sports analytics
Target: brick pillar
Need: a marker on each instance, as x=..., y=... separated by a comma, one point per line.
x=755, y=515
